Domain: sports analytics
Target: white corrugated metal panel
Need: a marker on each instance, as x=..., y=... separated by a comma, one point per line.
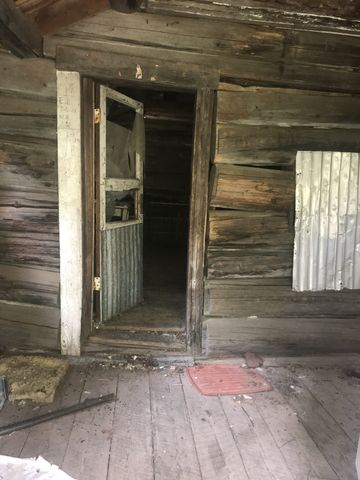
x=122, y=269
x=327, y=221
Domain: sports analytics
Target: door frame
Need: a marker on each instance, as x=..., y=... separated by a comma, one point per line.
x=76, y=152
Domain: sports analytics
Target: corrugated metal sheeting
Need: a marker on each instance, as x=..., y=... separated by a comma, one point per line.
x=327, y=221
x=122, y=264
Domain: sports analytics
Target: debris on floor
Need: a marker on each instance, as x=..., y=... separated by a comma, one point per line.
x=3, y=391
x=52, y=415
x=140, y=362
x=227, y=379
x=12, y=468
x=252, y=360
x=32, y=377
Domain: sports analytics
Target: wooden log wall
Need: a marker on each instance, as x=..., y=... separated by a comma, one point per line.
x=258, y=133
x=29, y=243
x=251, y=221
x=193, y=50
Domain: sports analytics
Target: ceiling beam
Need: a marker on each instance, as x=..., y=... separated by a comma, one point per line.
x=50, y=16
x=17, y=32
x=312, y=15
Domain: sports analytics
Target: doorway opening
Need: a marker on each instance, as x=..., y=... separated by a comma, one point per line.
x=169, y=122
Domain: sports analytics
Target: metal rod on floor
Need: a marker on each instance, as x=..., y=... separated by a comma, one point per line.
x=88, y=403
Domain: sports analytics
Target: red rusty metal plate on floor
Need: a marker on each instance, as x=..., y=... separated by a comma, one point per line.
x=223, y=379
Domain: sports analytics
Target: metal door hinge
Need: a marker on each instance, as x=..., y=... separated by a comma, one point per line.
x=97, y=284
x=96, y=115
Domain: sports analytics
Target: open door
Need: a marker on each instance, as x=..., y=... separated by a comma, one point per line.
x=119, y=215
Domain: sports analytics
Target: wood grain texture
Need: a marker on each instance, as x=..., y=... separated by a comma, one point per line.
x=50, y=439
x=132, y=429
x=287, y=107
x=28, y=77
x=227, y=299
x=52, y=16
x=218, y=454
x=175, y=453
x=80, y=459
x=303, y=456
x=29, y=238
x=29, y=326
x=248, y=54
x=29, y=285
x=185, y=34
x=202, y=148
x=261, y=127
x=247, y=261
x=250, y=229
x=88, y=201
x=133, y=63
x=234, y=138
x=258, y=158
x=280, y=336
x=17, y=32
x=305, y=15
x=320, y=425
x=238, y=187
x=261, y=455
x=165, y=429
x=30, y=248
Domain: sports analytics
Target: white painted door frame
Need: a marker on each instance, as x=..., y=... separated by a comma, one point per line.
x=70, y=209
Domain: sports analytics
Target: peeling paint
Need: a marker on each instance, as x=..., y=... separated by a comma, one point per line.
x=138, y=73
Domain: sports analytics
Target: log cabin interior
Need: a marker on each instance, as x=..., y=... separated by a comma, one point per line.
x=180, y=180
x=224, y=206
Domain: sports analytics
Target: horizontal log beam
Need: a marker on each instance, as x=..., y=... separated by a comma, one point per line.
x=328, y=15
x=52, y=16
x=17, y=32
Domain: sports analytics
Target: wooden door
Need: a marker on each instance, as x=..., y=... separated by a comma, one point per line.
x=119, y=193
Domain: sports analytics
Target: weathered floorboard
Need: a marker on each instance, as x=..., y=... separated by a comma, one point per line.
x=50, y=439
x=218, y=453
x=335, y=445
x=261, y=455
x=165, y=429
x=132, y=429
x=302, y=454
x=92, y=428
x=174, y=447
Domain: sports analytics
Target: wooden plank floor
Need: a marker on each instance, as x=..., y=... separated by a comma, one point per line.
x=160, y=427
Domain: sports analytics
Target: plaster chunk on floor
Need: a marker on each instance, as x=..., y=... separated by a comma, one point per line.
x=12, y=468
x=32, y=377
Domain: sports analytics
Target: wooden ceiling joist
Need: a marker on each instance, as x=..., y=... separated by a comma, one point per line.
x=321, y=15
x=17, y=32
x=52, y=15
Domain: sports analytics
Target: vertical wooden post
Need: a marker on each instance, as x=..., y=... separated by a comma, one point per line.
x=70, y=209
x=202, y=147
x=88, y=192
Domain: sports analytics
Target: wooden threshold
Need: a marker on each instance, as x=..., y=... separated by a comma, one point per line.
x=143, y=340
